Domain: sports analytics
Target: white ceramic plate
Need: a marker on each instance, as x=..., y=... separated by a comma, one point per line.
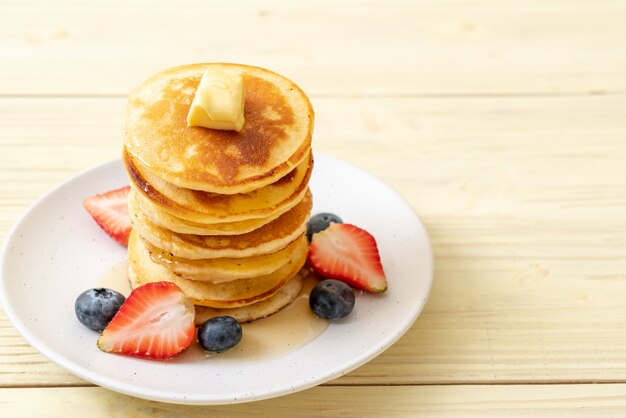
x=56, y=251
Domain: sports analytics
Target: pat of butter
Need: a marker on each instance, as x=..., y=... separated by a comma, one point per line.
x=219, y=101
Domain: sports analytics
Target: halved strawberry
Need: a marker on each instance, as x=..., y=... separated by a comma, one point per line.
x=156, y=321
x=350, y=254
x=110, y=210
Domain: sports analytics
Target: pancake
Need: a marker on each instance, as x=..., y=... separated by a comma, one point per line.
x=259, y=310
x=168, y=221
x=224, y=295
x=287, y=294
x=221, y=270
x=276, y=135
x=267, y=239
x=205, y=207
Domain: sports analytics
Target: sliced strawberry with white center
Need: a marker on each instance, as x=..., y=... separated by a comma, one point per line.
x=350, y=254
x=110, y=210
x=156, y=321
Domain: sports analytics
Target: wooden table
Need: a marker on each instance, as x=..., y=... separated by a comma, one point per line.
x=502, y=123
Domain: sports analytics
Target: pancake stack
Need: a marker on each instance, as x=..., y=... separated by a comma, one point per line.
x=220, y=213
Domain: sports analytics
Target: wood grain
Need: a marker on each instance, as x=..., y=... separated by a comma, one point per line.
x=524, y=200
x=502, y=123
x=363, y=402
x=68, y=47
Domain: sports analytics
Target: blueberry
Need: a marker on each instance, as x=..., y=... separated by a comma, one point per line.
x=96, y=307
x=331, y=299
x=219, y=334
x=320, y=222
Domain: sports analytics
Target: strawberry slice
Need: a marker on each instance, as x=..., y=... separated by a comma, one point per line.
x=350, y=254
x=110, y=211
x=156, y=321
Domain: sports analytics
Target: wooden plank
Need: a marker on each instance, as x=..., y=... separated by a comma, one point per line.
x=330, y=48
x=524, y=200
x=363, y=402
x=482, y=154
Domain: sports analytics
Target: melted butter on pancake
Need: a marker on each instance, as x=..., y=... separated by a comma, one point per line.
x=275, y=138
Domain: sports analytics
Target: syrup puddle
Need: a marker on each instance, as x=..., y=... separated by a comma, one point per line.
x=278, y=335
x=116, y=278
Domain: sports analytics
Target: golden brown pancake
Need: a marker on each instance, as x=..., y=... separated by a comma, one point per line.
x=205, y=207
x=223, y=295
x=259, y=310
x=221, y=270
x=276, y=135
x=168, y=221
x=267, y=239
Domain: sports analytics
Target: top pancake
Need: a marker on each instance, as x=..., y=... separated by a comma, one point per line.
x=276, y=135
